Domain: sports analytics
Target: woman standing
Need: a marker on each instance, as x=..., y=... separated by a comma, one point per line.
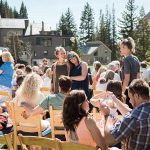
x=78, y=73
x=80, y=127
x=60, y=67
x=131, y=65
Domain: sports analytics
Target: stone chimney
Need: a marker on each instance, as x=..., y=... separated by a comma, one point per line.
x=42, y=25
x=30, y=29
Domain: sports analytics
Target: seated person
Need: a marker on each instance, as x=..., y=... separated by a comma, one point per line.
x=29, y=92
x=134, y=127
x=55, y=100
x=79, y=126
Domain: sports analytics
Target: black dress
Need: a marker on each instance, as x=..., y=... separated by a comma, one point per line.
x=81, y=85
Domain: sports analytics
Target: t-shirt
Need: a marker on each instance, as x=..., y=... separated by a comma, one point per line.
x=131, y=66
x=55, y=100
x=7, y=75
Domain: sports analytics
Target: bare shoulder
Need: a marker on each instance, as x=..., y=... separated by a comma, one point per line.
x=84, y=63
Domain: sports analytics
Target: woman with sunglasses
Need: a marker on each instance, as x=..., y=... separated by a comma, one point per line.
x=78, y=73
x=80, y=127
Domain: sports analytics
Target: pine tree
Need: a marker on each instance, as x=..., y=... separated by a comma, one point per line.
x=87, y=24
x=114, y=36
x=70, y=24
x=129, y=20
x=108, y=28
x=67, y=24
x=2, y=9
x=75, y=46
x=62, y=25
x=16, y=14
x=142, y=36
x=23, y=11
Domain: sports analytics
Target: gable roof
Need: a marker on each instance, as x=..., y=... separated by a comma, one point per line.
x=12, y=23
x=148, y=15
x=91, y=47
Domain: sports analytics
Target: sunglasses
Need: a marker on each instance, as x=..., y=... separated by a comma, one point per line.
x=71, y=56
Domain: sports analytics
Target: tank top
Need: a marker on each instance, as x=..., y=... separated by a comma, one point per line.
x=82, y=135
x=81, y=85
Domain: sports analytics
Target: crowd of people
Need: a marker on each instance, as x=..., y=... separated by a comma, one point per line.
x=71, y=85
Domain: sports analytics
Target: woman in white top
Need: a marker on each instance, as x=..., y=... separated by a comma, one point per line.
x=29, y=92
x=102, y=83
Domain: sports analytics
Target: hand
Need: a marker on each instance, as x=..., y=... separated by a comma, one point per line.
x=25, y=115
x=104, y=109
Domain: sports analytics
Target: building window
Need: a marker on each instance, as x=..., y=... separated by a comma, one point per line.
x=66, y=42
x=47, y=42
x=96, y=53
x=45, y=52
x=38, y=41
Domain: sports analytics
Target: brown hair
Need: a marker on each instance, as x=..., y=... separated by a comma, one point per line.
x=139, y=87
x=129, y=42
x=116, y=87
x=64, y=83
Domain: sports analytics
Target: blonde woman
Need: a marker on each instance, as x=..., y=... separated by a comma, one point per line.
x=29, y=93
x=6, y=73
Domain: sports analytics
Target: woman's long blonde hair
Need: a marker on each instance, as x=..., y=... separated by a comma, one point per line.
x=30, y=86
x=7, y=57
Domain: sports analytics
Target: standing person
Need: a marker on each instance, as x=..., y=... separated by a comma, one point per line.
x=80, y=127
x=6, y=73
x=78, y=73
x=131, y=65
x=44, y=65
x=134, y=127
x=60, y=67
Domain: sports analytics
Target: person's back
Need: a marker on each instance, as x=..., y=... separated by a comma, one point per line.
x=84, y=134
x=131, y=66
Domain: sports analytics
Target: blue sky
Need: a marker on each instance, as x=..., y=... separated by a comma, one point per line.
x=50, y=11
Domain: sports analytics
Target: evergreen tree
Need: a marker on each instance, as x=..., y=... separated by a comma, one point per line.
x=75, y=45
x=23, y=11
x=70, y=24
x=108, y=28
x=16, y=14
x=142, y=36
x=129, y=20
x=67, y=24
x=62, y=25
x=114, y=36
x=2, y=9
x=87, y=24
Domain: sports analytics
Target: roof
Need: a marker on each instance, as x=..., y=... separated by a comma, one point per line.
x=148, y=15
x=36, y=28
x=12, y=23
x=91, y=47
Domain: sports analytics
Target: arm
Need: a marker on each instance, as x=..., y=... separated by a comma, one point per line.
x=110, y=140
x=31, y=112
x=126, y=82
x=95, y=132
x=123, y=108
x=83, y=74
x=1, y=71
x=138, y=75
